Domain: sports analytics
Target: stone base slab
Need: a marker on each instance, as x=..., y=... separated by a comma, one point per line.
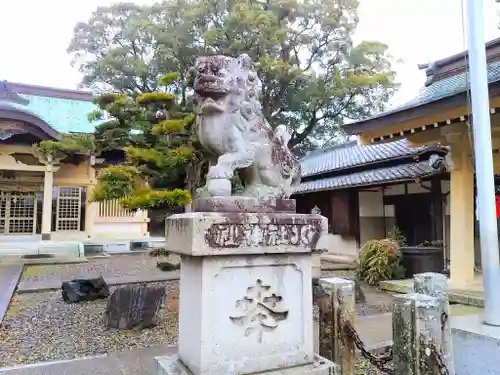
x=237, y=204
x=171, y=365
x=213, y=233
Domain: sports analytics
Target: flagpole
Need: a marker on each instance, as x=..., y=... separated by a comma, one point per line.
x=483, y=157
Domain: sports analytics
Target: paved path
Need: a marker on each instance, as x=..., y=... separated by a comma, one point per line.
x=9, y=277
x=47, y=285
x=136, y=362
x=374, y=330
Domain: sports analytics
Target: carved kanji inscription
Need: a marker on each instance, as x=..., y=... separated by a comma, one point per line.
x=259, y=311
x=234, y=235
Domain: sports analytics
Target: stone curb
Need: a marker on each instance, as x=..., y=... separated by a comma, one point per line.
x=9, y=290
x=35, y=287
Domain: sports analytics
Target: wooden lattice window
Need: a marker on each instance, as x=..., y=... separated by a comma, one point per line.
x=17, y=213
x=69, y=208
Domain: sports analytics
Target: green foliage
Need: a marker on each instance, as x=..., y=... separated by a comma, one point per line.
x=398, y=236
x=159, y=252
x=167, y=266
x=150, y=199
x=94, y=115
x=157, y=136
x=314, y=77
x=116, y=182
x=72, y=143
x=168, y=79
x=160, y=98
x=380, y=260
x=433, y=243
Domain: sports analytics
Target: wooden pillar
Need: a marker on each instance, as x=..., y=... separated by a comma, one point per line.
x=462, y=217
x=48, y=183
x=437, y=208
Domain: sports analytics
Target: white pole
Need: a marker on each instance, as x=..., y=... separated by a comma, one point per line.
x=481, y=126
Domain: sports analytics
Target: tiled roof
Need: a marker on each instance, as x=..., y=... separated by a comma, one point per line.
x=442, y=89
x=397, y=173
x=350, y=155
x=63, y=115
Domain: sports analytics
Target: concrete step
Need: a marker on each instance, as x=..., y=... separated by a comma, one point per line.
x=55, y=248
x=135, y=362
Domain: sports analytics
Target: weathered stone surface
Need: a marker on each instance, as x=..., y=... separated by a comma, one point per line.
x=360, y=295
x=249, y=313
x=200, y=234
x=436, y=285
x=79, y=290
x=173, y=365
x=232, y=126
x=318, y=290
x=416, y=332
x=135, y=306
x=238, y=204
x=341, y=309
x=245, y=302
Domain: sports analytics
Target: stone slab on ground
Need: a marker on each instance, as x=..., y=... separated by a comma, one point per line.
x=9, y=278
x=170, y=365
x=40, y=286
x=461, y=296
x=41, y=261
x=135, y=362
x=475, y=346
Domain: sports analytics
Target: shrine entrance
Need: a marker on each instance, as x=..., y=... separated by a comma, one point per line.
x=18, y=213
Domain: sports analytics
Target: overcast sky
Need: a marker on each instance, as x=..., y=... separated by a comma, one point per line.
x=35, y=34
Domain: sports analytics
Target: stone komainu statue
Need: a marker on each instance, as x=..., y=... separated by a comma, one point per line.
x=232, y=128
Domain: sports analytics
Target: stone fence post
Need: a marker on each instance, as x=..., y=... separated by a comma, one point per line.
x=341, y=301
x=436, y=285
x=417, y=335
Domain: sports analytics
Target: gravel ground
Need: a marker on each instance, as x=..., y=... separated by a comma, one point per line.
x=41, y=327
x=114, y=266
x=363, y=367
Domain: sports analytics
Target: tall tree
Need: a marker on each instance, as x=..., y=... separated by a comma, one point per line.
x=314, y=77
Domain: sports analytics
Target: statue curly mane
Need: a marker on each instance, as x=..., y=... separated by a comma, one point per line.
x=232, y=127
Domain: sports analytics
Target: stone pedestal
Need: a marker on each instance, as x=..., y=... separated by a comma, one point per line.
x=245, y=294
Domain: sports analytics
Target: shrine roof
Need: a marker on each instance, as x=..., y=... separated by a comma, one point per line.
x=399, y=173
x=350, y=165
x=63, y=110
x=350, y=155
x=445, y=88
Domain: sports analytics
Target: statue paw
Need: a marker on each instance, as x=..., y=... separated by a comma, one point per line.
x=219, y=187
x=217, y=172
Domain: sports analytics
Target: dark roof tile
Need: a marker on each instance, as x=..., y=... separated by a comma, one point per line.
x=398, y=173
x=350, y=155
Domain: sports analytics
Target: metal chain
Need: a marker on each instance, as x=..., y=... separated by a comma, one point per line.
x=438, y=358
x=436, y=354
x=379, y=362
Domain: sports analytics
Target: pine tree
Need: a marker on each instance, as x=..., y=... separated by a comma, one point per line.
x=163, y=161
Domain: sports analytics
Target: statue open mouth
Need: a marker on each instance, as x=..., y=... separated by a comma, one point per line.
x=210, y=105
x=211, y=93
